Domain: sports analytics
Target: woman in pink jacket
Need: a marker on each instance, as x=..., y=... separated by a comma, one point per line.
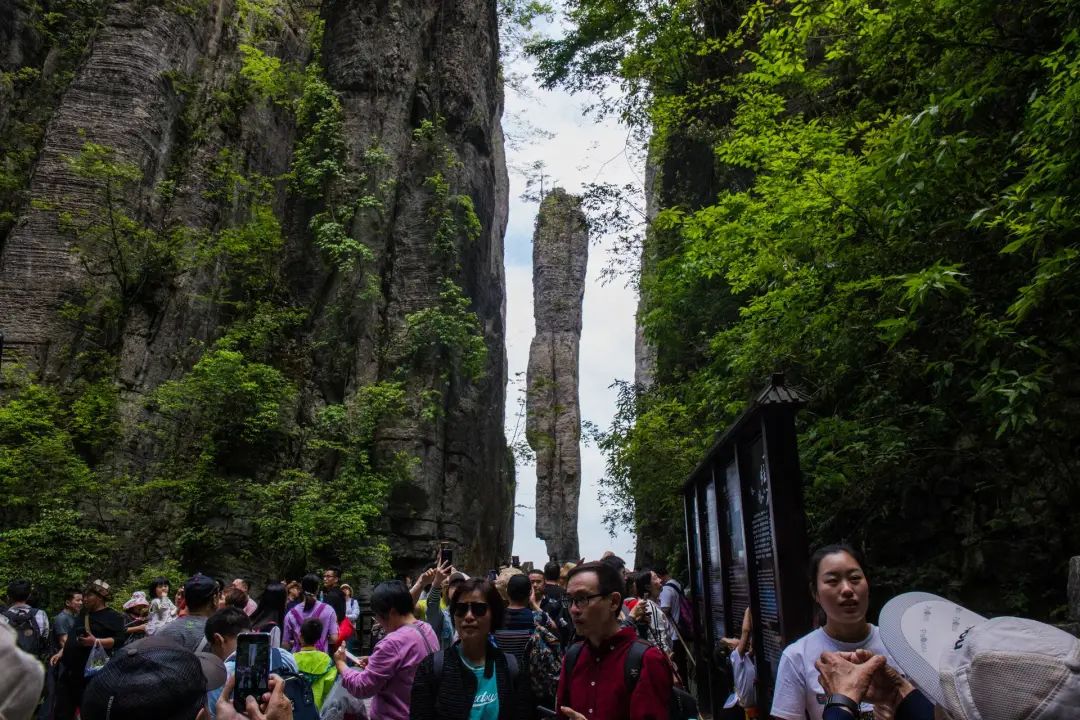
x=387, y=676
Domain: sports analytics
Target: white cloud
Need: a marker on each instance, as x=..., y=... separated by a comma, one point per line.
x=581, y=151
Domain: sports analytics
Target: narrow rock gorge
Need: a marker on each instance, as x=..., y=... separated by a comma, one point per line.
x=254, y=249
x=553, y=412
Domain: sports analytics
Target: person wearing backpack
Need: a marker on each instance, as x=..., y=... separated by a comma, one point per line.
x=31, y=625
x=220, y=633
x=674, y=603
x=315, y=665
x=610, y=674
x=473, y=679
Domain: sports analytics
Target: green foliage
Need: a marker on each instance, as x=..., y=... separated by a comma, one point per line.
x=115, y=246
x=54, y=552
x=446, y=336
x=270, y=79
x=319, y=157
x=42, y=480
x=889, y=215
x=226, y=400
x=297, y=516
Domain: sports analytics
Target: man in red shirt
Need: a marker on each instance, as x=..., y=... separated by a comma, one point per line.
x=595, y=688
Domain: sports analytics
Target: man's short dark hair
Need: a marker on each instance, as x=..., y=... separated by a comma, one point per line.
x=518, y=588
x=311, y=631
x=226, y=622
x=614, y=561
x=609, y=578
x=19, y=590
x=661, y=570
x=391, y=595
x=552, y=571
x=336, y=569
x=235, y=597
x=70, y=594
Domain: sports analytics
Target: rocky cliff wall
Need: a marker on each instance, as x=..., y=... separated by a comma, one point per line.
x=553, y=412
x=335, y=167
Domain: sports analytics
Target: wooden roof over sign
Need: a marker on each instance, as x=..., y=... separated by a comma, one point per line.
x=776, y=393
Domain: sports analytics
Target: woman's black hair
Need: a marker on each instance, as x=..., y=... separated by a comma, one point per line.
x=271, y=608
x=391, y=595
x=823, y=552
x=310, y=585
x=155, y=584
x=496, y=606
x=641, y=583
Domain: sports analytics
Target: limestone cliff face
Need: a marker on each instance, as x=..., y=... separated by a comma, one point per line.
x=166, y=88
x=553, y=419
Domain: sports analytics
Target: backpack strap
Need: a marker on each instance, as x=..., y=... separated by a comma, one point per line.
x=634, y=660
x=437, y=661
x=423, y=637
x=569, y=661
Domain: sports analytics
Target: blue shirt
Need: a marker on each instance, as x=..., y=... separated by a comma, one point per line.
x=486, y=701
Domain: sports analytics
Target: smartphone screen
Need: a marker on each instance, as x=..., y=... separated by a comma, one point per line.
x=252, y=667
x=446, y=555
x=515, y=561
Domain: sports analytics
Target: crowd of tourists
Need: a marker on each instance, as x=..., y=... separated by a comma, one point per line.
x=584, y=641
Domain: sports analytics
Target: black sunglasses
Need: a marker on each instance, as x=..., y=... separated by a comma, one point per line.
x=479, y=609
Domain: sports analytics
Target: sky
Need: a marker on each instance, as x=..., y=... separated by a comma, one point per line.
x=581, y=150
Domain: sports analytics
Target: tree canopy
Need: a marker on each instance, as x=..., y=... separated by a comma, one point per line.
x=881, y=200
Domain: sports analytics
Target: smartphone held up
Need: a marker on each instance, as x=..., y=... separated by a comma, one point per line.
x=252, y=667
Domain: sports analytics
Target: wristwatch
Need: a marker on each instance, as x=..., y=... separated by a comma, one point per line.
x=843, y=701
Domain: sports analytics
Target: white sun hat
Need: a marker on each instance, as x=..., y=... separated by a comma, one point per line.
x=1006, y=668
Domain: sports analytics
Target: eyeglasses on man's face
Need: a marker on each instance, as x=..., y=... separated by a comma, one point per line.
x=580, y=601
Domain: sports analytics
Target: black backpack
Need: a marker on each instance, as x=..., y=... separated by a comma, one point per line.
x=29, y=638
x=298, y=690
x=682, y=704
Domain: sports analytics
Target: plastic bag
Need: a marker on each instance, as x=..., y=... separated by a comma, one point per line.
x=338, y=703
x=96, y=661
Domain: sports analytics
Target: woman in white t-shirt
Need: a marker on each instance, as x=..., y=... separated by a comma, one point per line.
x=839, y=586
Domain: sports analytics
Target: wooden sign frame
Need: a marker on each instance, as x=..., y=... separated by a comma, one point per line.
x=746, y=543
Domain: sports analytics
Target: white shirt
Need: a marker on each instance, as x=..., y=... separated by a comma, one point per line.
x=745, y=675
x=798, y=693
x=669, y=601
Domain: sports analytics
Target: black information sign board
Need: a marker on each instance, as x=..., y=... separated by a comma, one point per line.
x=746, y=541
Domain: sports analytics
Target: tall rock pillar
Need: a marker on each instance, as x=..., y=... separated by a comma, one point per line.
x=553, y=413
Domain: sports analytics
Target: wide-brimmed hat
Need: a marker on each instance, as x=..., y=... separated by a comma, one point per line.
x=155, y=677
x=1006, y=668
x=137, y=598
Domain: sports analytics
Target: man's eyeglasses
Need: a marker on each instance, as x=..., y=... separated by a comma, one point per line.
x=479, y=609
x=580, y=601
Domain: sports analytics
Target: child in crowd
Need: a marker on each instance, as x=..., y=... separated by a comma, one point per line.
x=315, y=665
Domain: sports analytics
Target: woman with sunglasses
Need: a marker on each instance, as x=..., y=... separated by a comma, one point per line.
x=387, y=676
x=472, y=679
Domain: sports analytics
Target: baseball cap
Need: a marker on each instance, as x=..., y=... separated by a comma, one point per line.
x=21, y=677
x=1006, y=668
x=153, y=678
x=199, y=589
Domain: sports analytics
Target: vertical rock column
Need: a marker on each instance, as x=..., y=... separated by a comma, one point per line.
x=553, y=413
